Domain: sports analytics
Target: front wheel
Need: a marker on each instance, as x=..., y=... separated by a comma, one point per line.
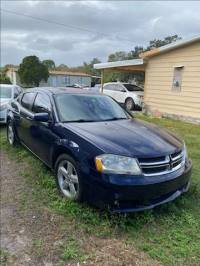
x=68, y=178
x=11, y=137
x=129, y=104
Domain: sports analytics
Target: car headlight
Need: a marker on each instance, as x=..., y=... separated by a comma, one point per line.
x=185, y=155
x=3, y=106
x=110, y=163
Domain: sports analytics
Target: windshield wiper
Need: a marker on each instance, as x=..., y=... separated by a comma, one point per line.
x=78, y=121
x=85, y=120
x=116, y=118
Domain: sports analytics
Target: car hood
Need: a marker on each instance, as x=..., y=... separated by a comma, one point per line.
x=129, y=137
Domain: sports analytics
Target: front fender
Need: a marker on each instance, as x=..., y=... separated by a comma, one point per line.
x=72, y=149
x=10, y=115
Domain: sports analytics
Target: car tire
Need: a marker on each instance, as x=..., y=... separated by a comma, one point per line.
x=129, y=104
x=11, y=136
x=68, y=178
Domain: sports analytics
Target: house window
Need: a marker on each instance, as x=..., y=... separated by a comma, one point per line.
x=177, y=78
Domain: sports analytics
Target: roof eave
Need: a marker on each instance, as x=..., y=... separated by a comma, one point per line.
x=118, y=64
x=168, y=47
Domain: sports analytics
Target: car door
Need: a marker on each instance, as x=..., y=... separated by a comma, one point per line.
x=41, y=132
x=107, y=89
x=26, y=118
x=119, y=93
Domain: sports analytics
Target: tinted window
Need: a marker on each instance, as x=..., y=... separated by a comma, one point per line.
x=131, y=87
x=27, y=100
x=83, y=108
x=42, y=103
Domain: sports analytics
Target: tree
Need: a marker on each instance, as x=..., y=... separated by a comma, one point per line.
x=4, y=79
x=62, y=67
x=117, y=56
x=32, y=71
x=158, y=43
x=89, y=67
x=134, y=54
x=49, y=63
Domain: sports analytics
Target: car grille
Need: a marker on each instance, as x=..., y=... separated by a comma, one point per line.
x=163, y=164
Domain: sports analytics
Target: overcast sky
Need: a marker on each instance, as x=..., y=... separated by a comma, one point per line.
x=92, y=28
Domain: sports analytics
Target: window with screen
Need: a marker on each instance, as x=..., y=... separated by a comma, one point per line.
x=27, y=100
x=42, y=104
x=177, y=78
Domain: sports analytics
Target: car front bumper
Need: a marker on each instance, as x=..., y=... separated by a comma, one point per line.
x=138, y=196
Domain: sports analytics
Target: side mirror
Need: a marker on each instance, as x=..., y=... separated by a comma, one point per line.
x=41, y=117
x=122, y=90
x=14, y=105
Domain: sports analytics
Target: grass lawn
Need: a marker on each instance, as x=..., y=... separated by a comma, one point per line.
x=169, y=233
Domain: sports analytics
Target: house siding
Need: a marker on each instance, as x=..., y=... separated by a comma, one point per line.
x=53, y=80
x=159, y=95
x=66, y=80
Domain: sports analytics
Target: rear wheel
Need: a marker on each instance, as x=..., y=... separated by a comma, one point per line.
x=68, y=178
x=129, y=104
x=11, y=137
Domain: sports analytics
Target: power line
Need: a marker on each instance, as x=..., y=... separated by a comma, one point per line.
x=62, y=24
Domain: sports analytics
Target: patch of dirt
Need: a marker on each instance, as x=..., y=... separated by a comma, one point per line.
x=111, y=252
x=33, y=236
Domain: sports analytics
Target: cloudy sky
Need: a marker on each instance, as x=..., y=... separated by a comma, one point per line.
x=73, y=32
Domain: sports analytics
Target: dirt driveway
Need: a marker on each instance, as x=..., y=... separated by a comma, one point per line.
x=37, y=236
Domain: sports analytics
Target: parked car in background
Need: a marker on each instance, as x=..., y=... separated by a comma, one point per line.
x=96, y=88
x=7, y=93
x=131, y=96
x=98, y=152
x=78, y=86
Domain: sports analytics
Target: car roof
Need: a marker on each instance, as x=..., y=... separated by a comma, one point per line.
x=116, y=82
x=60, y=90
x=120, y=83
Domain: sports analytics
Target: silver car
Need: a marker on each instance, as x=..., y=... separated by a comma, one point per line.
x=7, y=93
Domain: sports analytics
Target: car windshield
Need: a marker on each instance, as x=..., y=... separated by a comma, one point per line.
x=5, y=92
x=131, y=87
x=88, y=108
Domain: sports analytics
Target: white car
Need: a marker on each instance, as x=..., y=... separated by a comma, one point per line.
x=125, y=93
x=7, y=93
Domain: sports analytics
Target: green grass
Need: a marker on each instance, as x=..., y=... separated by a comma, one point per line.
x=3, y=257
x=169, y=233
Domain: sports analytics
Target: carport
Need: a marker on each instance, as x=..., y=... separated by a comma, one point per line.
x=134, y=65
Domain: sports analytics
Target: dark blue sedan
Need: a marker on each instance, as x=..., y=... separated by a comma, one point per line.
x=99, y=153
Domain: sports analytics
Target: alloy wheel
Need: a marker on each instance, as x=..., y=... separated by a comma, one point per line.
x=68, y=179
x=11, y=136
x=129, y=104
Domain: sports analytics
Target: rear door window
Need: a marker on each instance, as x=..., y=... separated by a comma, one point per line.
x=27, y=100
